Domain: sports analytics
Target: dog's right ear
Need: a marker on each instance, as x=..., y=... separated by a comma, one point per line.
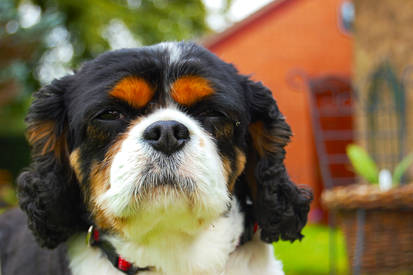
x=280, y=206
x=47, y=190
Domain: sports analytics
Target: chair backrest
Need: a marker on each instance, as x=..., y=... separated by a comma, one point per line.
x=331, y=105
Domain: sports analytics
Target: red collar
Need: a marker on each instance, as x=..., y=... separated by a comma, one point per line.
x=255, y=227
x=94, y=239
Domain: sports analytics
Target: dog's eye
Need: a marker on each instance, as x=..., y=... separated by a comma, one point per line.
x=110, y=115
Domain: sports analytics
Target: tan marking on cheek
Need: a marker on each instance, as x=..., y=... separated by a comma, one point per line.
x=74, y=159
x=134, y=90
x=227, y=168
x=240, y=162
x=99, y=184
x=188, y=90
x=99, y=179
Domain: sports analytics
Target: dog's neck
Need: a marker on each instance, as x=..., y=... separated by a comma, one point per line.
x=196, y=249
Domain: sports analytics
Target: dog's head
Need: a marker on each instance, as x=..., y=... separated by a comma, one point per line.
x=169, y=127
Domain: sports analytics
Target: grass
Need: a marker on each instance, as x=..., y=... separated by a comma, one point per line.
x=311, y=255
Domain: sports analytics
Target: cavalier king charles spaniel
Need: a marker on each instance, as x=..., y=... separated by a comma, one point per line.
x=157, y=160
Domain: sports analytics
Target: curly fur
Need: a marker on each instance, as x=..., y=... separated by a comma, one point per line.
x=48, y=191
x=280, y=207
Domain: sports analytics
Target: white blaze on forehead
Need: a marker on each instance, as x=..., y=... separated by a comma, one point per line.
x=198, y=161
x=173, y=49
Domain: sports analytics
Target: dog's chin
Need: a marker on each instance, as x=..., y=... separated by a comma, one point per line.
x=170, y=206
x=161, y=195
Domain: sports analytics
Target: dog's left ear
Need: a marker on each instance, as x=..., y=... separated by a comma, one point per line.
x=280, y=207
x=47, y=190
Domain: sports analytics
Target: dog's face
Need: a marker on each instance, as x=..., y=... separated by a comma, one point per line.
x=163, y=129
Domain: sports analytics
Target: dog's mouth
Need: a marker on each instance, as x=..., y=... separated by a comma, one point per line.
x=165, y=177
x=161, y=178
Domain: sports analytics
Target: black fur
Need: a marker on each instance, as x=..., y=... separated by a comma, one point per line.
x=48, y=191
x=280, y=206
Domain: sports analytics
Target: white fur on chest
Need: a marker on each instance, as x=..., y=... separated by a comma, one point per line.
x=212, y=251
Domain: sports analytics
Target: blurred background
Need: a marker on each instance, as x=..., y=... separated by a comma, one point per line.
x=340, y=71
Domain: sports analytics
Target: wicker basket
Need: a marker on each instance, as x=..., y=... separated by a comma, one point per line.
x=387, y=231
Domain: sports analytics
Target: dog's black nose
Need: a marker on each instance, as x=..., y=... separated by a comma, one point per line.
x=166, y=136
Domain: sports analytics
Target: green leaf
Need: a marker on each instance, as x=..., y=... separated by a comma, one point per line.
x=401, y=168
x=363, y=164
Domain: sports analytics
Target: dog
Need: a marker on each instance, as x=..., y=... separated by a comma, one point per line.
x=157, y=160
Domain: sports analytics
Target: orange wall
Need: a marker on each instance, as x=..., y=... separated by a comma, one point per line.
x=299, y=34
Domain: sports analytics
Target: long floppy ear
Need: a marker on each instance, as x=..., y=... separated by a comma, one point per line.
x=47, y=190
x=280, y=207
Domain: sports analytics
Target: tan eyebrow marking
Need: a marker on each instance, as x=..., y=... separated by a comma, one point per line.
x=134, y=90
x=188, y=90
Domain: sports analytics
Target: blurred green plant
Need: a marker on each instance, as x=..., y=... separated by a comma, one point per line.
x=20, y=48
x=8, y=196
x=401, y=168
x=365, y=166
x=362, y=163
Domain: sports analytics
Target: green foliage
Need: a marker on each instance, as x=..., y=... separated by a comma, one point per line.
x=363, y=164
x=401, y=168
x=149, y=21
